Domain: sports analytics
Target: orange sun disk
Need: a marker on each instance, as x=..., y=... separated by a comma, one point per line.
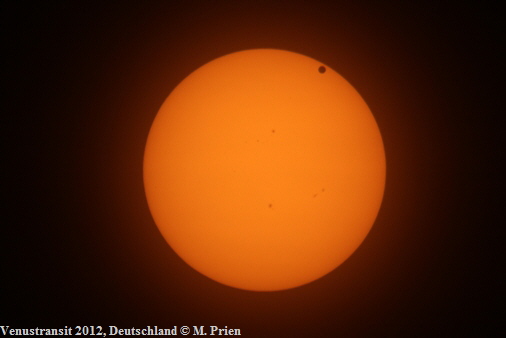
x=264, y=169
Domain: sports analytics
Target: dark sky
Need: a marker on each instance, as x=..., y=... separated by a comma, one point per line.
x=84, y=82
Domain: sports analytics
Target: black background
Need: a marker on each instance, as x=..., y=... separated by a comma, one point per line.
x=84, y=82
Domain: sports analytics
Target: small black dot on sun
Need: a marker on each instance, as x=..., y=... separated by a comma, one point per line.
x=322, y=69
x=270, y=205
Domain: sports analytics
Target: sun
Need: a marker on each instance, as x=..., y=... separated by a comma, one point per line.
x=264, y=169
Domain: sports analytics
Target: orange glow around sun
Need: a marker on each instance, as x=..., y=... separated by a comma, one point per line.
x=264, y=169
